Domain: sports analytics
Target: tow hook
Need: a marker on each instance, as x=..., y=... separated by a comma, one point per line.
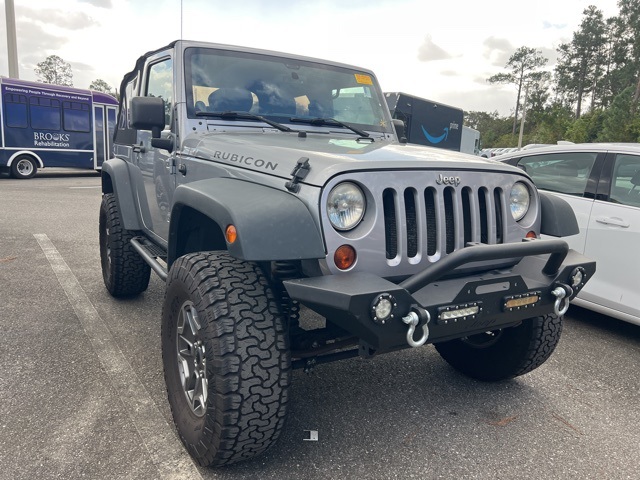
x=412, y=319
x=562, y=293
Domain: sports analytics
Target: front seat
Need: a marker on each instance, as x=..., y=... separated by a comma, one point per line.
x=230, y=100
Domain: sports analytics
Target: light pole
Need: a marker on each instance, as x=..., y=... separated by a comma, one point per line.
x=524, y=114
x=12, y=46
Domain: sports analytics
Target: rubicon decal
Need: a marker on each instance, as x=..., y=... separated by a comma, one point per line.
x=245, y=160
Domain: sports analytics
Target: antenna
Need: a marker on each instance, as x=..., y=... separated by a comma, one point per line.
x=181, y=19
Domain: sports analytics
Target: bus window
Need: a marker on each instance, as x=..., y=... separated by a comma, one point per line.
x=45, y=113
x=15, y=110
x=75, y=117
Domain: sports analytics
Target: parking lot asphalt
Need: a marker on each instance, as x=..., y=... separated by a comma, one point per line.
x=82, y=391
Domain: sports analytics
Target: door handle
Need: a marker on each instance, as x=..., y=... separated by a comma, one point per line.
x=613, y=221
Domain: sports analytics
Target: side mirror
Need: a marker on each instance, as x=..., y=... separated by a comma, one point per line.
x=399, y=126
x=147, y=113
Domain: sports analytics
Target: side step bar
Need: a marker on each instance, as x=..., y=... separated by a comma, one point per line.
x=150, y=253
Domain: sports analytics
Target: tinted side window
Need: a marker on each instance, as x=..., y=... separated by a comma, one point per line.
x=15, y=110
x=560, y=172
x=45, y=113
x=625, y=184
x=160, y=84
x=75, y=117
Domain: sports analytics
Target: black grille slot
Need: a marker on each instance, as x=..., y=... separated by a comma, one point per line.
x=497, y=198
x=466, y=215
x=431, y=220
x=412, y=224
x=450, y=225
x=482, y=205
x=432, y=229
x=390, y=223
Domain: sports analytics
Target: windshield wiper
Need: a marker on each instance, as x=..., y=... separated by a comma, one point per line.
x=231, y=115
x=329, y=121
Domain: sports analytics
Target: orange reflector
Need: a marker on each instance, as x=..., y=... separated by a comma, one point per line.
x=345, y=257
x=531, y=234
x=231, y=234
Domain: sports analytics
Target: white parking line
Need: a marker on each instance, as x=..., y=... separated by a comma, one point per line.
x=166, y=451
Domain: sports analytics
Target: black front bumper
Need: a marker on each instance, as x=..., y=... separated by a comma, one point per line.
x=347, y=299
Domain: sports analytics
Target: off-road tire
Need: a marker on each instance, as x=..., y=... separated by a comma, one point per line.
x=244, y=351
x=124, y=271
x=505, y=353
x=23, y=167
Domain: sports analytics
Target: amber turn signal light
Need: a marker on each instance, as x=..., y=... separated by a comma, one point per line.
x=345, y=257
x=531, y=234
x=231, y=234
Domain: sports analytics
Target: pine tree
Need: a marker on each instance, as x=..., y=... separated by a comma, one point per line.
x=55, y=70
x=100, y=85
x=525, y=65
x=581, y=63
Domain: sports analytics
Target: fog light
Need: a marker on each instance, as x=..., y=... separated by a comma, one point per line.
x=525, y=300
x=382, y=307
x=459, y=313
x=521, y=302
x=453, y=313
x=577, y=277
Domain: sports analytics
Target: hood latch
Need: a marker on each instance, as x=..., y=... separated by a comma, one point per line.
x=299, y=173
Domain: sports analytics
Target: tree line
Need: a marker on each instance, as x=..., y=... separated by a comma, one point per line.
x=591, y=95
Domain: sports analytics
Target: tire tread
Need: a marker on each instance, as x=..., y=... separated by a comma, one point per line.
x=251, y=367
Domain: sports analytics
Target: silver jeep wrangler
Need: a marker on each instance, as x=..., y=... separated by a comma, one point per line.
x=254, y=182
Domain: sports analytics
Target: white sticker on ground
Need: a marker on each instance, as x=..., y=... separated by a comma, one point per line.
x=165, y=449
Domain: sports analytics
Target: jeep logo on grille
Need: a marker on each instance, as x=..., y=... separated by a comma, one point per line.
x=442, y=180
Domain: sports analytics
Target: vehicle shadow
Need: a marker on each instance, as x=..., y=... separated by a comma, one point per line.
x=606, y=323
x=56, y=173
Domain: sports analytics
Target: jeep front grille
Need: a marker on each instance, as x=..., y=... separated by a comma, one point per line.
x=411, y=221
x=441, y=220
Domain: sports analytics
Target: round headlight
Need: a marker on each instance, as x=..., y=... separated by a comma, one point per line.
x=519, y=200
x=345, y=206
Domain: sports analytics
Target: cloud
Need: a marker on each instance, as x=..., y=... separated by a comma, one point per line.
x=34, y=43
x=59, y=18
x=450, y=73
x=551, y=54
x=98, y=3
x=81, y=67
x=429, y=51
x=559, y=26
x=498, y=50
x=482, y=100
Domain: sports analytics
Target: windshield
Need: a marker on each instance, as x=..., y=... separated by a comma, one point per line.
x=281, y=89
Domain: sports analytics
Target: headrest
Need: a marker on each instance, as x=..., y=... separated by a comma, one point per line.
x=230, y=99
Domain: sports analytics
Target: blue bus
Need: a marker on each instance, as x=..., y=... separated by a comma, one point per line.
x=44, y=125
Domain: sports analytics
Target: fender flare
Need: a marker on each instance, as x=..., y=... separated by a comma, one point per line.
x=116, y=180
x=271, y=224
x=558, y=218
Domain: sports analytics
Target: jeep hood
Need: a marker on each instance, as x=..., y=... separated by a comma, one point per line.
x=329, y=154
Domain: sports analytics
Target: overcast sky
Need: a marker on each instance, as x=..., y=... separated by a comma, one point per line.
x=440, y=50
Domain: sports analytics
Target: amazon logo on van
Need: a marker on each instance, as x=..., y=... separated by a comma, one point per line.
x=437, y=139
